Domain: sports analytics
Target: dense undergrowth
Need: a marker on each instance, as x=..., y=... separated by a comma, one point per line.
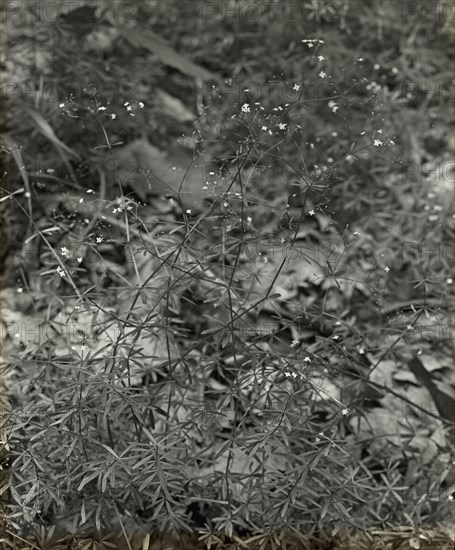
x=232, y=358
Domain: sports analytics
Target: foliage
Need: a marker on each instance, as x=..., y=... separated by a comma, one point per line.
x=237, y=364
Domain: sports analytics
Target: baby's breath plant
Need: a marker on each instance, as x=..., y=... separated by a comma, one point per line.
x=233, y=366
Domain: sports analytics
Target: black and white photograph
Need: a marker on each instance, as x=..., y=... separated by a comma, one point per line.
x=226, y=275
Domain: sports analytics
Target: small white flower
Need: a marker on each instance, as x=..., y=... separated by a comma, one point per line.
x=283, y=241
x=321, y=57
x=409, y=328
x=129, y=108
x=307, y=359
x=79, y=260
x=141, y=105
x=322, y=74
x=360, y=59
x=264, y=128
x=60, y=271
x=90, y=191
x=249, y=219
x=20, y=290
x=113, y=116
x=386, y=268
x=64, y=251
x=188, y=211
x=99, y=240
x=81, y=200
x=296, y=87
x=344, y=412
x=311, y=213
x=378, y=143
x=379, y=131
x=282, y=126
x=294, y=343
x=245, y=108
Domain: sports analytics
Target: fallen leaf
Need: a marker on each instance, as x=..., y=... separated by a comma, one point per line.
x=173, y=107
x=383, y=428
x=383, y=373
x=166, y=53
x=151, y=172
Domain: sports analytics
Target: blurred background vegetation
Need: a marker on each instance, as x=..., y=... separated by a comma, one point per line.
x=341, y=109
